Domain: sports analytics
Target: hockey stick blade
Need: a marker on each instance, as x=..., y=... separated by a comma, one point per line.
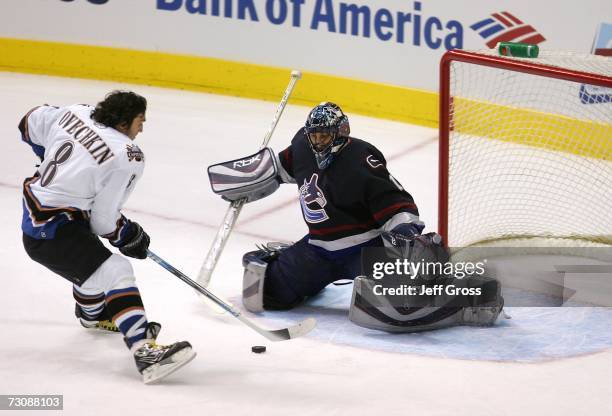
x=297, y=330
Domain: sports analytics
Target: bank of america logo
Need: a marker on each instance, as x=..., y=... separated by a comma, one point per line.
x=505, y=27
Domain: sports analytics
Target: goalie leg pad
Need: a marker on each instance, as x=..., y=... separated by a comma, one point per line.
x=255, y=265
x=379, y=312
x=253, y=283
x=486, y=312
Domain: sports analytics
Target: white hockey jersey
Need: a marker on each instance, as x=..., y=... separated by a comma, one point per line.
x=87, y=173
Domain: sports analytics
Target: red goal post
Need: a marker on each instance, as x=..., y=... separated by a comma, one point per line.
x=495, y=113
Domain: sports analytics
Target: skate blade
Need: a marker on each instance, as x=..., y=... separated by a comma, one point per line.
x=158, y=371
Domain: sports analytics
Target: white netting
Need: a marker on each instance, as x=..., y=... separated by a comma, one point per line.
x=530, y=156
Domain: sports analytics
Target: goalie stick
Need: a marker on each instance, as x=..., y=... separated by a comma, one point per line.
x=301, y=328
x=235, y=207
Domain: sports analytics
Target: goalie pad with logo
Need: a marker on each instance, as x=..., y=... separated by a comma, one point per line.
x=372, y=310
x=424, y=299
x=252, y=177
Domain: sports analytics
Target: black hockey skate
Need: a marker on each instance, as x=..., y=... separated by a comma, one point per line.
x=156, y=361
x=103, y=323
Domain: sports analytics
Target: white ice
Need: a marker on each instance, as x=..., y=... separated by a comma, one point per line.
x=339, y=369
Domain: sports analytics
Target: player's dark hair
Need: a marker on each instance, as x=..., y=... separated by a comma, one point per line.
x=119, y=107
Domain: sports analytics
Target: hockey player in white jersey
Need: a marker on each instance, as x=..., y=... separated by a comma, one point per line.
x=89, y=167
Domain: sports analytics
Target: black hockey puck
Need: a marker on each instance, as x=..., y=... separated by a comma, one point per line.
x=258, y=349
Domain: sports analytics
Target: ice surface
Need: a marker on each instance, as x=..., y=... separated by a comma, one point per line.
x=339, y=369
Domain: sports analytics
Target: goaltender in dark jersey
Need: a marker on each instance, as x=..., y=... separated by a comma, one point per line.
x=347, y=204
x=349, y=201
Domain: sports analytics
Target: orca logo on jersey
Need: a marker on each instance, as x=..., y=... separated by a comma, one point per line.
x=311, y=194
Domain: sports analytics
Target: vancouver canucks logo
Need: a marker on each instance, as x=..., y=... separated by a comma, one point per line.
x=313, y=201
x=373, y=162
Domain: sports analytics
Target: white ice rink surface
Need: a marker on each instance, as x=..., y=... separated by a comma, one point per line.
x=339, y=369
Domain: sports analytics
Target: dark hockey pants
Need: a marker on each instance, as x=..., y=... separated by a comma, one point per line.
x=303, y=270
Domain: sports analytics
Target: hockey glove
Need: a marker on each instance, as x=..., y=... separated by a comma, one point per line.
x=407, y=230
x=400, y=239
x=426, y=248
x=137, y=243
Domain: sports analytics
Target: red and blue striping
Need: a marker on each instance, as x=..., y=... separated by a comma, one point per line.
x=505, y=27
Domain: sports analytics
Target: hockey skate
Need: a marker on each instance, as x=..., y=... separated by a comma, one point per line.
x=156, y=361
x=104, y=324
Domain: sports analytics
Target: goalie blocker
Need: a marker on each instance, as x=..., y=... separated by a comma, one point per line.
x=252, y=177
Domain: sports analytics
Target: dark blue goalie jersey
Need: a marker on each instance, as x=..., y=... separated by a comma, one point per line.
x=349, y=203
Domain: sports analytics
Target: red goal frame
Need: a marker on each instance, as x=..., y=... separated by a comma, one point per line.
x=524, y=66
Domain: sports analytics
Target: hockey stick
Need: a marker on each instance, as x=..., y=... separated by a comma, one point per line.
x=284, y=334
x=235, y=207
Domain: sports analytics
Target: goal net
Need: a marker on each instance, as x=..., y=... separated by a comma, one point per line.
x=525, y=149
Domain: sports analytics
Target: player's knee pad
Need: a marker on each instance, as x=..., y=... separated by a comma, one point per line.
x=371, y=308
x=115, y=273
x=255, y=264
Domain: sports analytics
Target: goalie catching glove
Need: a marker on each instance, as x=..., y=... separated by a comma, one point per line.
x=251, y=178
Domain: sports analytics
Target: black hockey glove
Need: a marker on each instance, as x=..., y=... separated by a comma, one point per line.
x=137, y=242
x=399, y=240
x=400, y=235
x=426, y=248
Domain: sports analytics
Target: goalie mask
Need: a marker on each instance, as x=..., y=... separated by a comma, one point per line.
x=327, y=129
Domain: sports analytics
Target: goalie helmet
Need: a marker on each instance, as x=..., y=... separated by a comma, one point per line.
x=327, y=118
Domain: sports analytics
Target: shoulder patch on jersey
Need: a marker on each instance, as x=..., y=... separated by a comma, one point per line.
x=134, y=153
x=374, y=162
